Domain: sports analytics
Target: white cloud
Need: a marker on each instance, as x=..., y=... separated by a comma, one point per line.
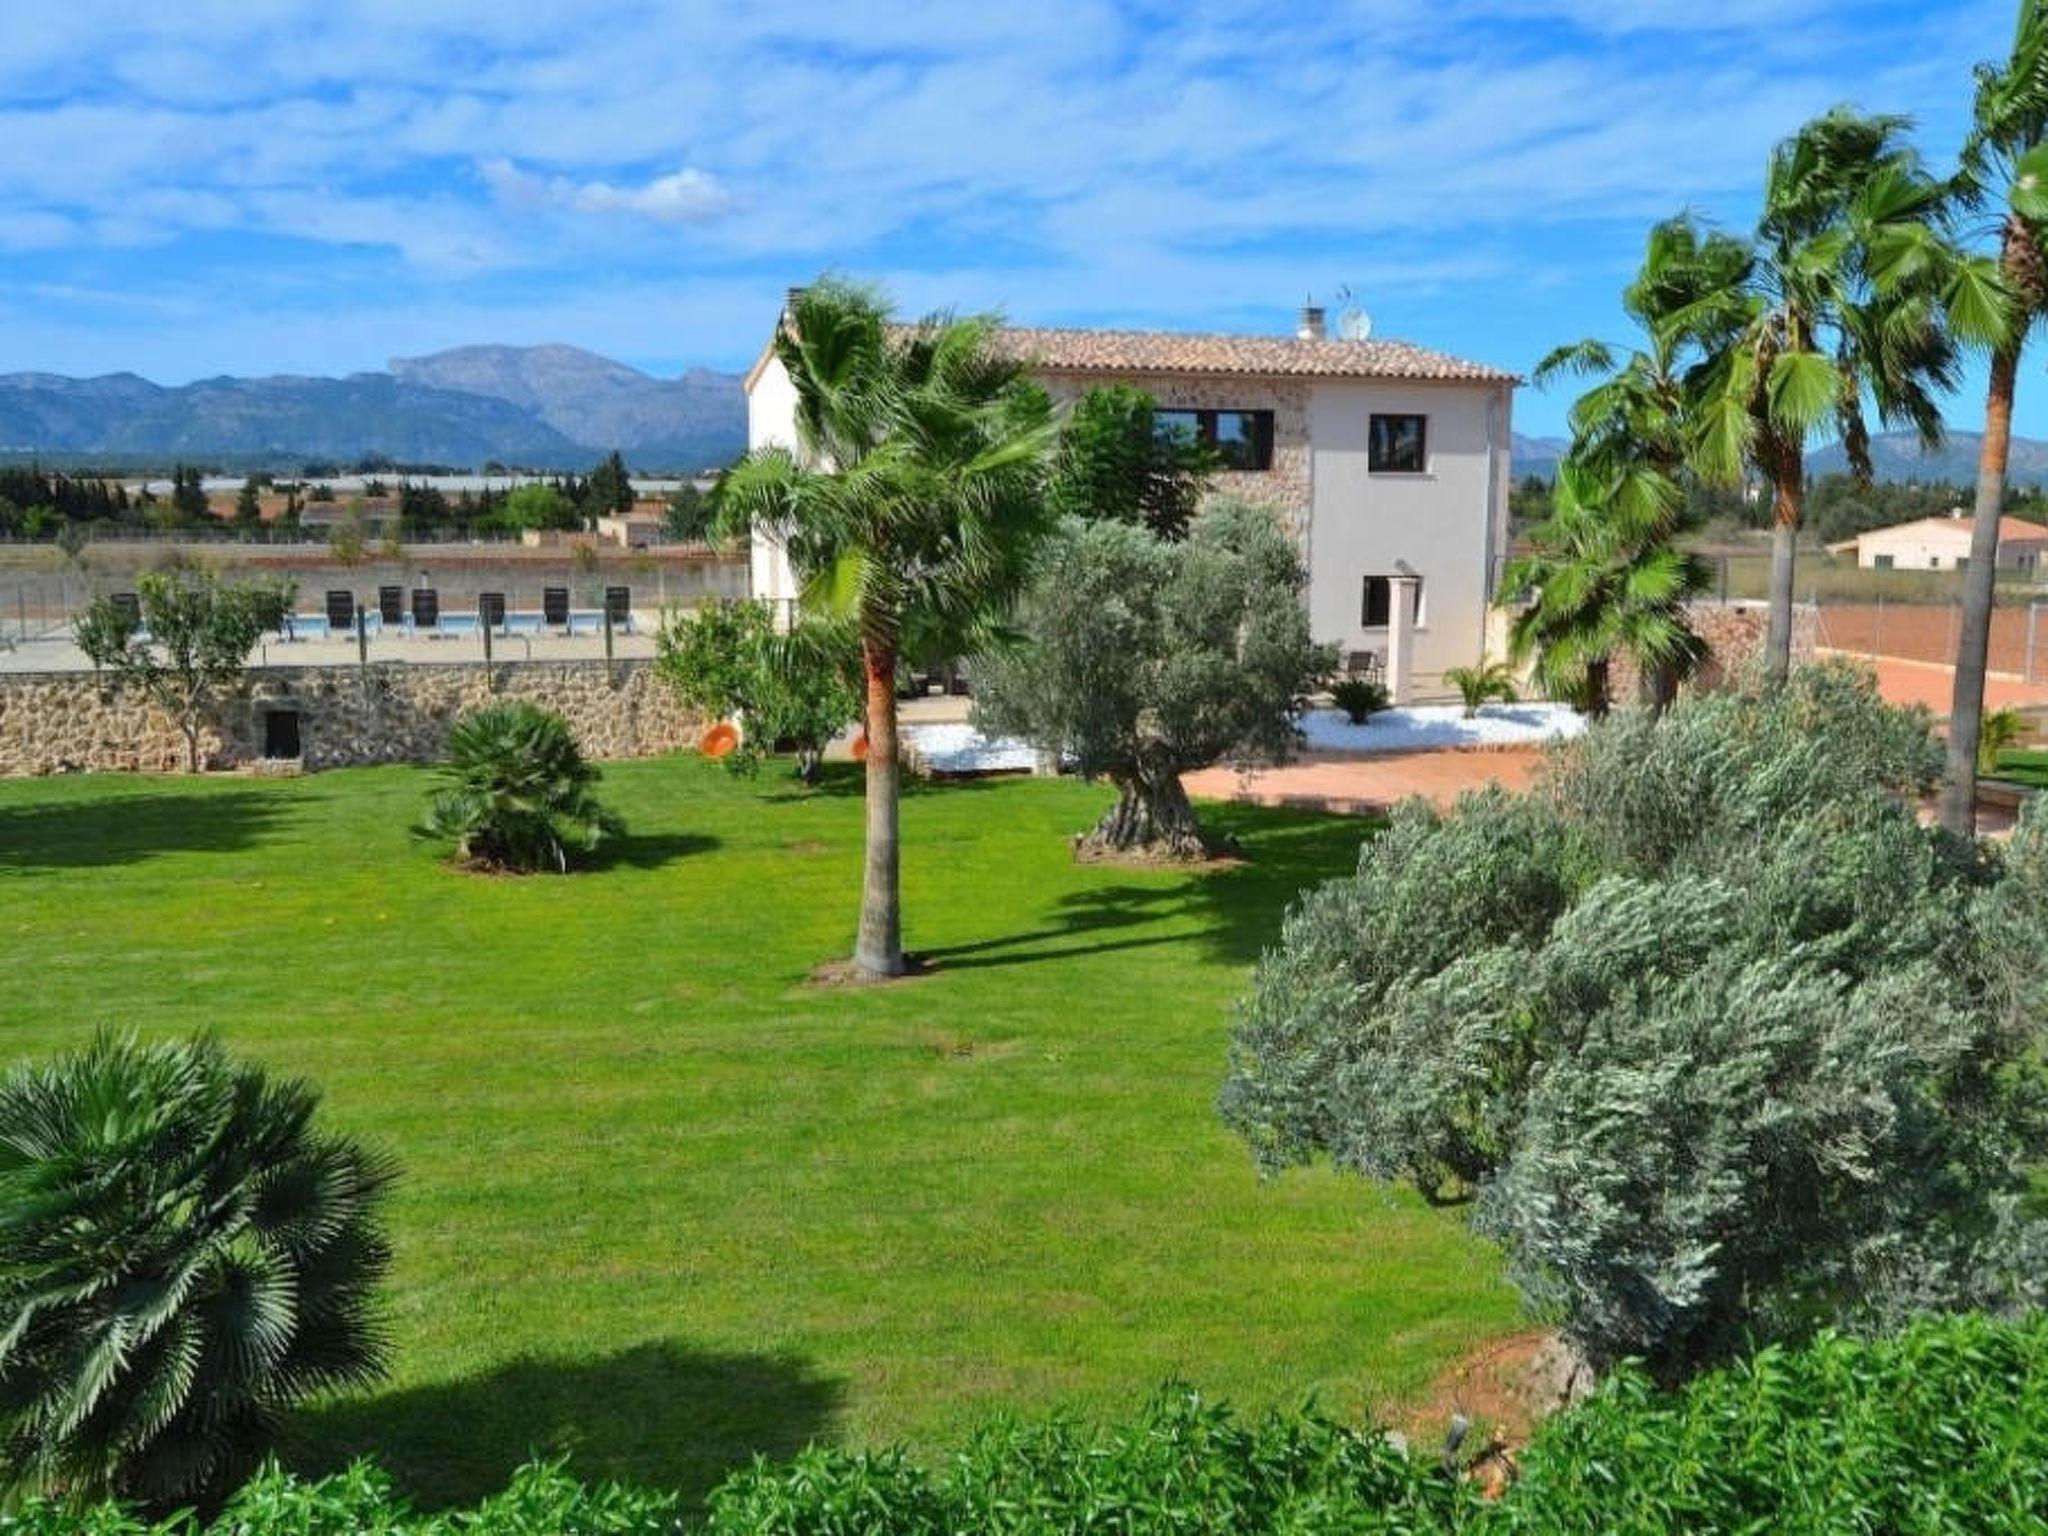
x=686, y=196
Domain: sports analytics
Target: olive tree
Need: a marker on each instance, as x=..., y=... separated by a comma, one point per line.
x=192, y=643
x=1706, y=1031
x=1141, y=659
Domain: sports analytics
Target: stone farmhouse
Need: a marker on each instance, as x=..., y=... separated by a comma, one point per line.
x=1388, y=462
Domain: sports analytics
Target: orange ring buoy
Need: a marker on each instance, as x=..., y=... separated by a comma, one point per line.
x=860, y=746
x=722, y=740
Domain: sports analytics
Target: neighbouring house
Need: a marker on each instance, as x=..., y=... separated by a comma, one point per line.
x=637, y=528
x=1943, y=544
x=1388, y=462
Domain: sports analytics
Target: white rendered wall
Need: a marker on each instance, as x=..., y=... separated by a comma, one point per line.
x=771, y=423
x=1446, y=525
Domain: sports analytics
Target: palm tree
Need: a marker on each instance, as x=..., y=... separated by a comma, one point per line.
x=911, y=506
x=2005, y=161
x=518, y=793
x=1602, y=579
x=1632, y=427
x=183, y=1257
x=1855, y=295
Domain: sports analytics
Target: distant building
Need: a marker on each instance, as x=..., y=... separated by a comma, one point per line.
x=1388, y=463
x=1943, y=544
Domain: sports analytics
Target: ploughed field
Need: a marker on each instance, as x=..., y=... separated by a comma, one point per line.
x=667, y=1203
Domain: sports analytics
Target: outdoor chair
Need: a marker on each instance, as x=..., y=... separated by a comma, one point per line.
x=490, y=609
x=341, y=610
x=554, y=607
x=618, y=604
x=426, y=609
x=1364, y=664
x=391, y=606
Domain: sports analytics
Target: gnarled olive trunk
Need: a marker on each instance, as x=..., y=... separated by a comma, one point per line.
x=1152, y=818
x=1973, y=647
x=878, y=951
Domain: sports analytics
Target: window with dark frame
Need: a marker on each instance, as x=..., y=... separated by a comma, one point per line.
x=1242, y=440
x=1397, y=445
x=1377, y=609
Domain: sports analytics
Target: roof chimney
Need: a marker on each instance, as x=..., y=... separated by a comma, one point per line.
x=1310, y=327
x=789, y=301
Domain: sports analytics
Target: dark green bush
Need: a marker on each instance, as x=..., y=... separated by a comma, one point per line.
x=1943, y=1428
x=517, y=792
x=1359, y=698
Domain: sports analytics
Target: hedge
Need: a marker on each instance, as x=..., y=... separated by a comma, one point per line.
x=1943, y=1427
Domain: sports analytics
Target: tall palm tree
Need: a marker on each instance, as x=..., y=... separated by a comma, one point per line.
x=1854, y=297
x=1602, y=579
x=184, y=1255
x=911, y=507
x=1631, y=427
x=2005, y=163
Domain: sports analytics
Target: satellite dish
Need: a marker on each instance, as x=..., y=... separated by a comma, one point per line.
x=1353, y=323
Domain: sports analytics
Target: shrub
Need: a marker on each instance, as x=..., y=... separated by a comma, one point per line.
x=2000, y=729
x=518, y=792
x=1477, y=685
x=1359, y=698
x=1942, y=1428
x=727, y=660
x=1716, y=1039
x=184, y=1255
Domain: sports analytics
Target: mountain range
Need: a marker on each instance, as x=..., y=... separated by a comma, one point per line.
x=1894, y=456
x=547, y=407
x=554, y=407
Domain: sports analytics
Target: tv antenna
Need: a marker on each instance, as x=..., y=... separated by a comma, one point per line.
x=1353, y=323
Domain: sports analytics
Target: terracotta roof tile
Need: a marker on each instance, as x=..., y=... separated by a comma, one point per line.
x=1057, y=350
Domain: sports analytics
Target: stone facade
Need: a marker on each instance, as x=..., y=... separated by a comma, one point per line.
x=63, y=722
x=1288, y=486
x=1734, y=633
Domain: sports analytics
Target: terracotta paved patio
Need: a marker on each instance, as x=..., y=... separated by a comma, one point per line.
x=1364, y=785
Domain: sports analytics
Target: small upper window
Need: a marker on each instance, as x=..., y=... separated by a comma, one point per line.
x=1241, y=440
x=1398, y=445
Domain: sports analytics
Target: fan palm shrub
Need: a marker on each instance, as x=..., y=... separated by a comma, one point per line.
x=1603, y=577
x=1477, y=685
x=518, y=793
x=184, y=1255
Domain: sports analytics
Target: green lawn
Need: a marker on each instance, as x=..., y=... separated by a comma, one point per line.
x=666, y=1203
x=2023, y=767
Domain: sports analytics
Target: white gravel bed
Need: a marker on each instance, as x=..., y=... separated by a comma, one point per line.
x=960, y=748
x=1432, y=727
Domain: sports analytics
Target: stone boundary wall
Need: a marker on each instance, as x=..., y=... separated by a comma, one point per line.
x=1734, y=633
x=394, y=712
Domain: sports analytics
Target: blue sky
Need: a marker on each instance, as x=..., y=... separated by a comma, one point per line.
x=276, y=186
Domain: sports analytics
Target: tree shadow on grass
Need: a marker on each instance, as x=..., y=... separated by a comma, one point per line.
x=658, y=1415
x=647, y=851
x=127, y=828
x=1238, y=908
x=849, y=781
